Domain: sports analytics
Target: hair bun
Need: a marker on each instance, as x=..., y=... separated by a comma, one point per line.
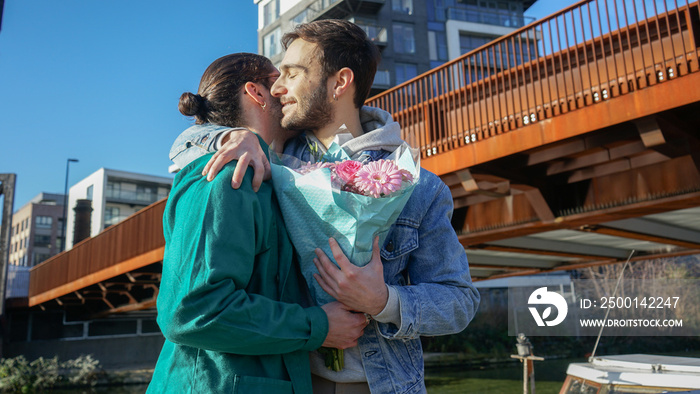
x=191, y=104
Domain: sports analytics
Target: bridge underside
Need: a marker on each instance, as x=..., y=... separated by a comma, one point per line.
x=585, y=200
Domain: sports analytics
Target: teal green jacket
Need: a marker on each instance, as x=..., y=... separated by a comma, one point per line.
x=230, y=294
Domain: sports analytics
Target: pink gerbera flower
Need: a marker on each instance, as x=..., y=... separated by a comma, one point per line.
x=378, y=178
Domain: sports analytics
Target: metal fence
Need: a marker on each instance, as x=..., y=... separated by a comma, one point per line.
x=585, y=54
x=140, y=234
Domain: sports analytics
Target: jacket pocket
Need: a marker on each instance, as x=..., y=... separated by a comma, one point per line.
x=401, y=240
x=255, y=385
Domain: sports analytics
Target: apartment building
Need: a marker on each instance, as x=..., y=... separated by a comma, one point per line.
x=36, y=231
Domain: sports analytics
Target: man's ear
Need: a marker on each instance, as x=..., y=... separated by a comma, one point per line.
x=254, y=93
x=344, y=78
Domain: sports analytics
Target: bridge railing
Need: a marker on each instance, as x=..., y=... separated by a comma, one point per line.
x=585, y=54
x=139, y=234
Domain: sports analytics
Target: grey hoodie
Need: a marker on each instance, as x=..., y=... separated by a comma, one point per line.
x=381, y=132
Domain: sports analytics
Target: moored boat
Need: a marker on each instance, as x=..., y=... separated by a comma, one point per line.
x=633, y=373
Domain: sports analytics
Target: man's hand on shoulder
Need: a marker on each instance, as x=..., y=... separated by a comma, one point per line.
x=241, y=145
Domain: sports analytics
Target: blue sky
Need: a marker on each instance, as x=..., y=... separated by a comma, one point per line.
x=99, y=81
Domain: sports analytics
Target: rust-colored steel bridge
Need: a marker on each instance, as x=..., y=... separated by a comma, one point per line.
x=566, y=144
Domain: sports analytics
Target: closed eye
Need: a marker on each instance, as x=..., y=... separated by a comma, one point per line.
x=291, y=71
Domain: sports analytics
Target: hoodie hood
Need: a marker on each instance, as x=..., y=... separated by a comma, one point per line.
x=381, y=132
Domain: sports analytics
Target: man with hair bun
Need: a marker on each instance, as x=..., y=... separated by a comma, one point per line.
x=231, y=303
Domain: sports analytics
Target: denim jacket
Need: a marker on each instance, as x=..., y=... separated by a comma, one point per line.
x=195, y=142
x=427, y=265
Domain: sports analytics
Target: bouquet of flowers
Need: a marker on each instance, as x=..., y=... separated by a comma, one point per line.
x=341, y=198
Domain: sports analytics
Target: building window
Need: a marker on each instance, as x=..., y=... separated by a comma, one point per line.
x=404, y=6
x=468, y=43
x=40, y=257
x=302, y=17
x=437, y=46
x=144, y=193
x=113, y=190
x=99, y=328
x=382, y=78
x=88, y=195
x=404, y=39
x=111, y=216
x=405, y=71
x=271, y=43
x=436, y=10
x=44, y=221
x=42, y=241
x=376, y=34
x=149, y=326
x=271, y=11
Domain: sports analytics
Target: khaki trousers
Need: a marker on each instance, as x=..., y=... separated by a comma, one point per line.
x=325, y=386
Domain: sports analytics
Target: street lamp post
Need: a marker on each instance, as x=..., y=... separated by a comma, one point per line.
x=65, y=206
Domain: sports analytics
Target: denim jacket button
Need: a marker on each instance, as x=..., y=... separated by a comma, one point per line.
x=390, y=246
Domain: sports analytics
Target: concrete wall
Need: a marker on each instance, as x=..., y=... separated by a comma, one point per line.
x=128, y=353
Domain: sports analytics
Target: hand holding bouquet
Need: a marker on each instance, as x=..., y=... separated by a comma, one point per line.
x=341, y=198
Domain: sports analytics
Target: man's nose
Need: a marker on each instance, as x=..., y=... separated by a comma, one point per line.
x=277, y=88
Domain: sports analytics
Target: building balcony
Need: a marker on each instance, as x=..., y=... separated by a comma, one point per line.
x=367, y=6
x=133, y=197
x=488, y=17
x=340, y=9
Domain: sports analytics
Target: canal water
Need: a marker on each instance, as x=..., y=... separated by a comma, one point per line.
x=498, y=379
x=495, y=379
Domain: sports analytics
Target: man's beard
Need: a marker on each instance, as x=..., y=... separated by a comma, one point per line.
x=313, y=111
x=276, y=109
x=283, y=134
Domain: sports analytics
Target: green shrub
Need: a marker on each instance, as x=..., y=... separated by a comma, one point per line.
x=17, y=375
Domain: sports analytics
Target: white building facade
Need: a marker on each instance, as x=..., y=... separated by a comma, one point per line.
x=114, y=195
